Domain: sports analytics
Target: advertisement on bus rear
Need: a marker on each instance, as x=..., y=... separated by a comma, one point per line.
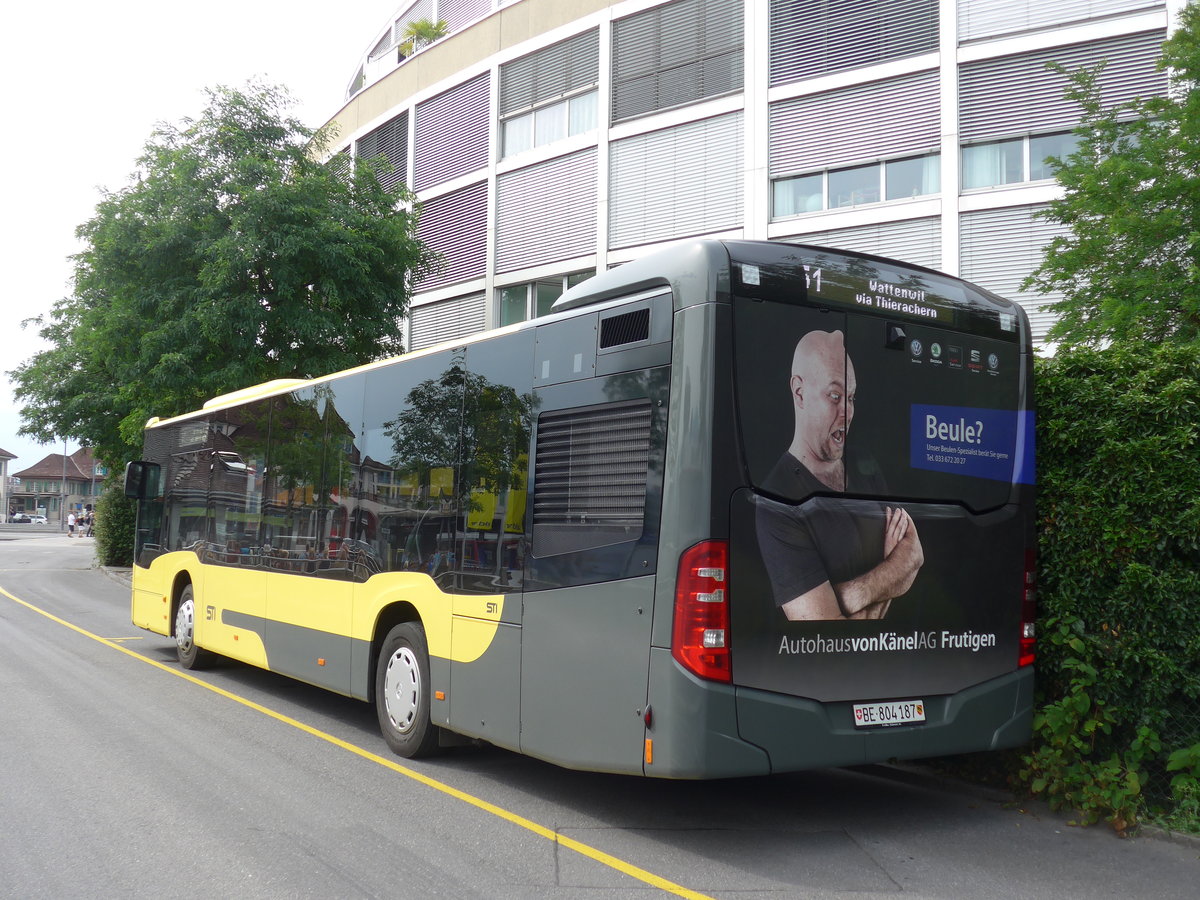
x=879, y=550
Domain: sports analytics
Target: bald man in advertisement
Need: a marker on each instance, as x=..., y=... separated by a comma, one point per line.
x=831, y=557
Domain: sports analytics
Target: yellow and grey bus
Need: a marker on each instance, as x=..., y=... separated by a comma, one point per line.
x=734, y=508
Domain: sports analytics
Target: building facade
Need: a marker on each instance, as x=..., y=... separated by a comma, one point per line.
x=550, y=139
x=57, y=484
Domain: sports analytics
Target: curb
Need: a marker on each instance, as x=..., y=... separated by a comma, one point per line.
x=918, y=775
x=121, y=575
x=1158, y=833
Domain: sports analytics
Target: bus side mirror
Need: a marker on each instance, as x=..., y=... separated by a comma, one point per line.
x=141, y=479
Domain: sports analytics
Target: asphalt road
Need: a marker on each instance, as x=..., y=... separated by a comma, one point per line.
x=122, y=777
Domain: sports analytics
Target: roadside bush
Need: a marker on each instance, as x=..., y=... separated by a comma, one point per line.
x=1119, y=581
x=115, y=518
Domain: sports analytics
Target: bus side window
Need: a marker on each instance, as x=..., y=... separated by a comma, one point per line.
x=498, y=410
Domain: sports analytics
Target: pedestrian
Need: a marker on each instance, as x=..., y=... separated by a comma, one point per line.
x=71, y=524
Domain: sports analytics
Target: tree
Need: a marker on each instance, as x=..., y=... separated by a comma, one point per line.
x=234, y=256
x=1129, y=266
x=422, y=33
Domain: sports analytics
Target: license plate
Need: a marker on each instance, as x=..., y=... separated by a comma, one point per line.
x=896, y=712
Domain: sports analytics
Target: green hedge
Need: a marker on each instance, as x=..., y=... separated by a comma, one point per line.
x=1118, y=731
x=115, y=515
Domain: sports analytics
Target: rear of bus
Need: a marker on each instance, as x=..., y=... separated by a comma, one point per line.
x=872, y=467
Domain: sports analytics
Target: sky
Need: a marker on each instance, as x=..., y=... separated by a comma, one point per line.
x=82, y=85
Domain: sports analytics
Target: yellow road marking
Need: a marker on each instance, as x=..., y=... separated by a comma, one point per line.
x=529, y=825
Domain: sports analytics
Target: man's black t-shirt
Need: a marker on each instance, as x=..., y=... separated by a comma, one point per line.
x=823, y=539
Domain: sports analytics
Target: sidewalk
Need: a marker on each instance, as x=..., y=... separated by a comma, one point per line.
x=120, y=574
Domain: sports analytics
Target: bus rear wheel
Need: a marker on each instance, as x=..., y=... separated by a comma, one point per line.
x=190, y=656
x=402, y=692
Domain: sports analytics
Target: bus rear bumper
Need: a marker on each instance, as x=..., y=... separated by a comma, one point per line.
x=702, y=729
x=802, y=734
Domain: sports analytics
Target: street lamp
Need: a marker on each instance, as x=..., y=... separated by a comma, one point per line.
x=62, y=491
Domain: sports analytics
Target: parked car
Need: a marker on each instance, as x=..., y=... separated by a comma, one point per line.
x=28, y=519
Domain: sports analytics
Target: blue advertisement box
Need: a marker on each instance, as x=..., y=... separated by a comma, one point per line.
x=981, y=443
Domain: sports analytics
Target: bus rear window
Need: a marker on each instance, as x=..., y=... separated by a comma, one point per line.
x=833, y=402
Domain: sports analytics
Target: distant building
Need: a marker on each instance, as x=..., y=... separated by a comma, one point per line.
x=550, y=139
x=41, y=488
x=5, y=489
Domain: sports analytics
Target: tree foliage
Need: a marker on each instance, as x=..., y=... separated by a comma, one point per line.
x=233, y=256
x=1118, y=578
x=1129, y=265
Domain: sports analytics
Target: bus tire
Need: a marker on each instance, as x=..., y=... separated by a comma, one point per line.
x=190, y=656
x=402, y=692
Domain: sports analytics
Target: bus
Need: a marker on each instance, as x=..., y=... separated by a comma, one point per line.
x=734, y=508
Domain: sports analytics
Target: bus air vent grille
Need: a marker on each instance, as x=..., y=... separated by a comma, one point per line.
x=590, y=477
x=626, y=328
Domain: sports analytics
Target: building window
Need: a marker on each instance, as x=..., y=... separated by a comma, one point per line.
x=897, y=179
x=1044, y=146
x=531, y=300
x=548, y=124
x=853, y=187
x=582, y=112
x=794, y=196
x=550, y=94
x=1014, y=161
x=913, y=177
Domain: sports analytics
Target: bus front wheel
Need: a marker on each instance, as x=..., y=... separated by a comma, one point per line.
x=190, y=656
x=402, y=692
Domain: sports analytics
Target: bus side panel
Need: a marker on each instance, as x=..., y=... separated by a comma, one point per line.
x=151, y=605
x=308, y=629
x=230, y=607
x=471, y=648
x=583, y=674
x=229, y=604
x=484, y=695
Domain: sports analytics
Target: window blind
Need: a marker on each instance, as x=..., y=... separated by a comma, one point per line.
x=450, y=137
x=846, y=126
x=455, y=227
x=1017, y=94
x=676, y=54
x=546, y=212
x=676, y=182
x=808, y=38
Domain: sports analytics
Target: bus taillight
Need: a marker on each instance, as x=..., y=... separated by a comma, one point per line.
x=1029, y=611
x=700, y=637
